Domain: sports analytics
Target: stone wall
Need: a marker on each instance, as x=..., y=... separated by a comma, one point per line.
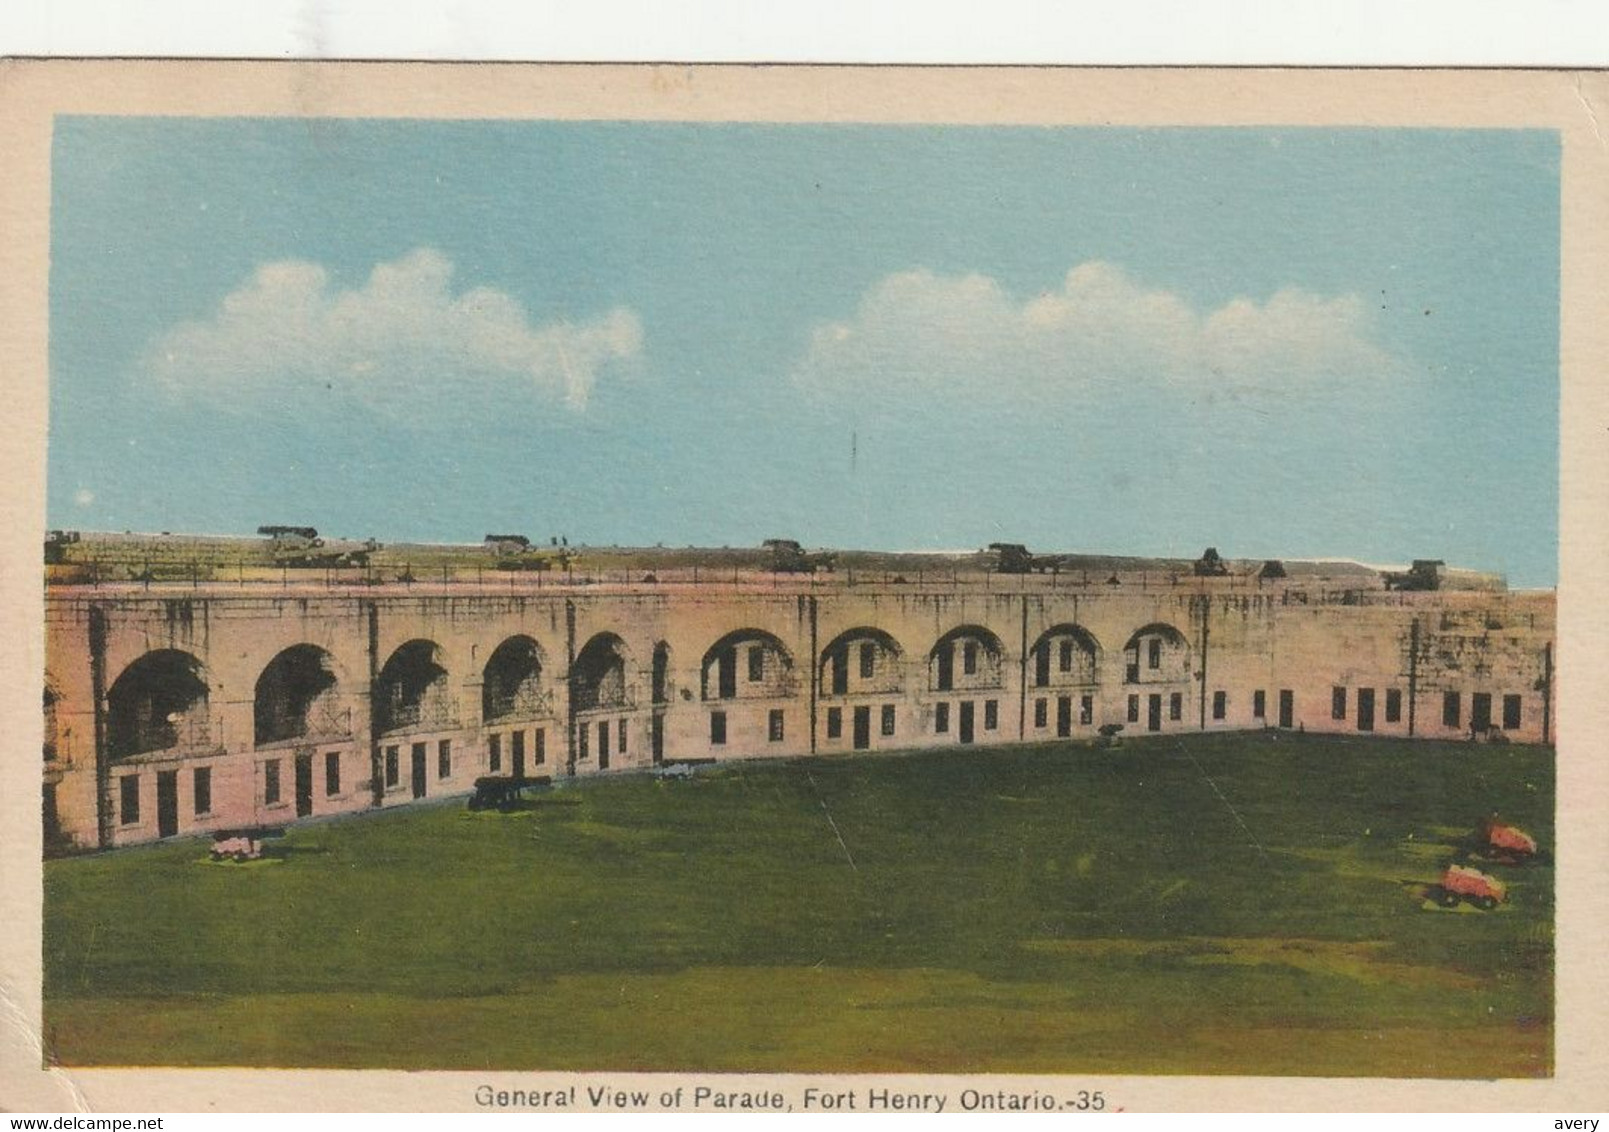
x=167, y=686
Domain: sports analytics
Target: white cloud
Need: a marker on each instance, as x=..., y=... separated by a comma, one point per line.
x=387, y=341
x=83, y=497
x=918, y=330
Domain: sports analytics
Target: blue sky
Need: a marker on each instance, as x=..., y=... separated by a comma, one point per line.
x=1278, y=342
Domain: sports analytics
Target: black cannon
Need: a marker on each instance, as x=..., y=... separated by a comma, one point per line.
x=502, y=792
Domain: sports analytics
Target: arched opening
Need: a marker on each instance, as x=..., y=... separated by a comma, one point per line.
x=862, y=661
x=747, y=664
x=661, y=676
x=965, y=658
x=598, y=677
x=51, y=699
x=298, y=697
x=412, y=691
x=159, y=703
x=512, y=685
x=1156, y=654
x=661, y=698
x=1065, y=656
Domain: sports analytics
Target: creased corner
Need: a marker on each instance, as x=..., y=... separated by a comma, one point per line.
x=1592, y=113
x=14, y=1019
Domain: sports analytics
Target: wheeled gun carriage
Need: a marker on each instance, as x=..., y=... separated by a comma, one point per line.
x=502, y=792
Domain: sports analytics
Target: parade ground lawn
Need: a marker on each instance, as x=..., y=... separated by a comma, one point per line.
x=1248, y=903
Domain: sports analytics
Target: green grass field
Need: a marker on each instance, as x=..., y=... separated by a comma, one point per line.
x=1232, y=904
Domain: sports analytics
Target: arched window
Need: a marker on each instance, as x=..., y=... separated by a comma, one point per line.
x=860, y=661
x=159, y=703
x=1065, y=656
x=965, y=659
x=298, y=697
x=412, y=692
x=512, y=682
x=1156, y=654
x=747, y=664
x=598, y=678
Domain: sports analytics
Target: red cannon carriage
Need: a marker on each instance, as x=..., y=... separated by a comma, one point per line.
x=1460, y=883
x=1505, y=843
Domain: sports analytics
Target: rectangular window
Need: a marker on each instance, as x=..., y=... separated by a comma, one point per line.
x=991, y=714
x=444, y=758
x=1393, y=705
x=391, y=771
x=835, y=722
x=541, y=753
x=888, y=719
x=332, y=773
x=1134, y=709
x=1066, y=658
x=1511, y=713
x=1259, y=704
x=717, y=728
x=271, y=782
x=203, y=789
x=1176, y=706
x=1337, y=703
x=774, y=725
x=946, y=666
x=969, y=658
x=494, y=753
x=1480, y=711
x=756, y=663
x=1086, y=710
x=583, y=746
x=941, y=718
x=1220, y=704
x=868, y=658
x=1041, y=713
x=129, y=799
x=620, y=736
x=1153, y=652
x=603, y=738
x=1452, y=710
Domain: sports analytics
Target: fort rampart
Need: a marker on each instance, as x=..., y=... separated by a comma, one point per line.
x=180, y=709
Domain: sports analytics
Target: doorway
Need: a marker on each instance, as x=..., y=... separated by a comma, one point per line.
x=167, y=803
x=966, y=721
x=1064, y=716
x=1365, y=709
x=1153, y=716
x=1287, y=708
x=418, y=770
x=863, y=728
x=304, y=785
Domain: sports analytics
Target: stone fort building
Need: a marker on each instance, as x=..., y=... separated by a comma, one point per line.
x=258, y=696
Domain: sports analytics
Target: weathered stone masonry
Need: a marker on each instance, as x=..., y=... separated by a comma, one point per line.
x=188, y=709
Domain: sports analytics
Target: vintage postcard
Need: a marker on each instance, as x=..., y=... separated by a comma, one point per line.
x=814, y=589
